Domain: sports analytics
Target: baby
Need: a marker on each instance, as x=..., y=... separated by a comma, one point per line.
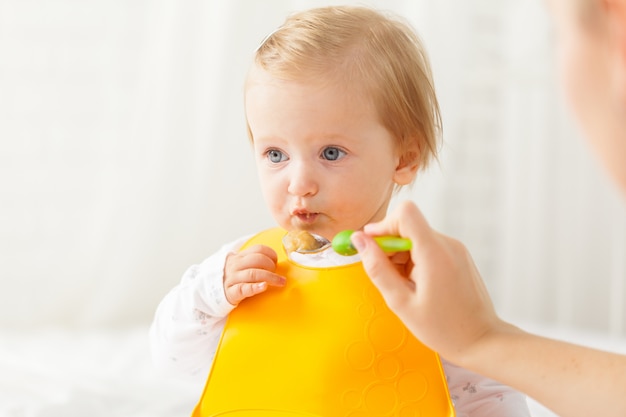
x=341, y=112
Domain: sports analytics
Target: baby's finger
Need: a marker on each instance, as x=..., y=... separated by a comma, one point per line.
x=238, y=292
x=260, y=275
x=263, y=250
x=255, y=261
x=253, y=275
x=255, y=257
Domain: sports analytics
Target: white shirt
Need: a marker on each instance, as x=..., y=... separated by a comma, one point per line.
x=189, y=321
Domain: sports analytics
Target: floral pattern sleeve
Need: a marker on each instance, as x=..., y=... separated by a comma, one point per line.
x=189, y=320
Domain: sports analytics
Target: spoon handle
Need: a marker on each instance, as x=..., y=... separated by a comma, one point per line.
x=342, y=245
x=394, y=243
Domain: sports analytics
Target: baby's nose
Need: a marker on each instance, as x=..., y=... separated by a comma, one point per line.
x=302, y=180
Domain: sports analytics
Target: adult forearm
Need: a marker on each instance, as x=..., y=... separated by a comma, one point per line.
x=571, y=380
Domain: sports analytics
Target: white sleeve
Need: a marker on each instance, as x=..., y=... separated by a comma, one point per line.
x=189, y=320
x=473, y=395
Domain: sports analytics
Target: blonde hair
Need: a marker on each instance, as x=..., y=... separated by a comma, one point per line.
x=379, y=55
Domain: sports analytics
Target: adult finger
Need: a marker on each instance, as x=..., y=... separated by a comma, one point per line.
x=405, y=221
x=394, y=287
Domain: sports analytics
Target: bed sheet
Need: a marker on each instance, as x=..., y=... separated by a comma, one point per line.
x=71, y=373
x=77, y=373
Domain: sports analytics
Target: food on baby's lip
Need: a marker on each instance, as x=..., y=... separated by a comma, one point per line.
x=302, y=241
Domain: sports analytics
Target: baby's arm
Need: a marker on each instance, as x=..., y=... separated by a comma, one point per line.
x=190, y=319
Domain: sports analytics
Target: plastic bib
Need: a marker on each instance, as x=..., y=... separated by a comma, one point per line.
x=324, y=345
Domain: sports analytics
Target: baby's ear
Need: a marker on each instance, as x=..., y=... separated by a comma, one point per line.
x=408, y=164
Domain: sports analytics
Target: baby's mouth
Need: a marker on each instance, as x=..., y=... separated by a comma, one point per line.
x=306, y=217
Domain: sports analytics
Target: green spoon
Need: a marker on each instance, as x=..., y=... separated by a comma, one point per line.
x=342, y=245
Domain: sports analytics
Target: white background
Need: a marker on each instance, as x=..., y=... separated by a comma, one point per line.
x=124, y=157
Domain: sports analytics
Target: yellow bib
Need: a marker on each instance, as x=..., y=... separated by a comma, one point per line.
x=324, y=345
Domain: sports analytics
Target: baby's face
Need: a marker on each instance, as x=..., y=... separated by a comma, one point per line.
x=325, y=162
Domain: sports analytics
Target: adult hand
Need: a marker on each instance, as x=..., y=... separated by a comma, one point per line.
x=438, y=294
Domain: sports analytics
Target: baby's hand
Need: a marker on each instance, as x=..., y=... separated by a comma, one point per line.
x=249, y=272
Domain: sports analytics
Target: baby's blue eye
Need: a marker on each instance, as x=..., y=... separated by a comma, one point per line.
x=332, y=153
x=276, y=156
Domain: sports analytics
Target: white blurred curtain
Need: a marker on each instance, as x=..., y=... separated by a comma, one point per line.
x=124, y=158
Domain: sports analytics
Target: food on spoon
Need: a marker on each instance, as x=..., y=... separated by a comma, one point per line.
x=301, y=241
